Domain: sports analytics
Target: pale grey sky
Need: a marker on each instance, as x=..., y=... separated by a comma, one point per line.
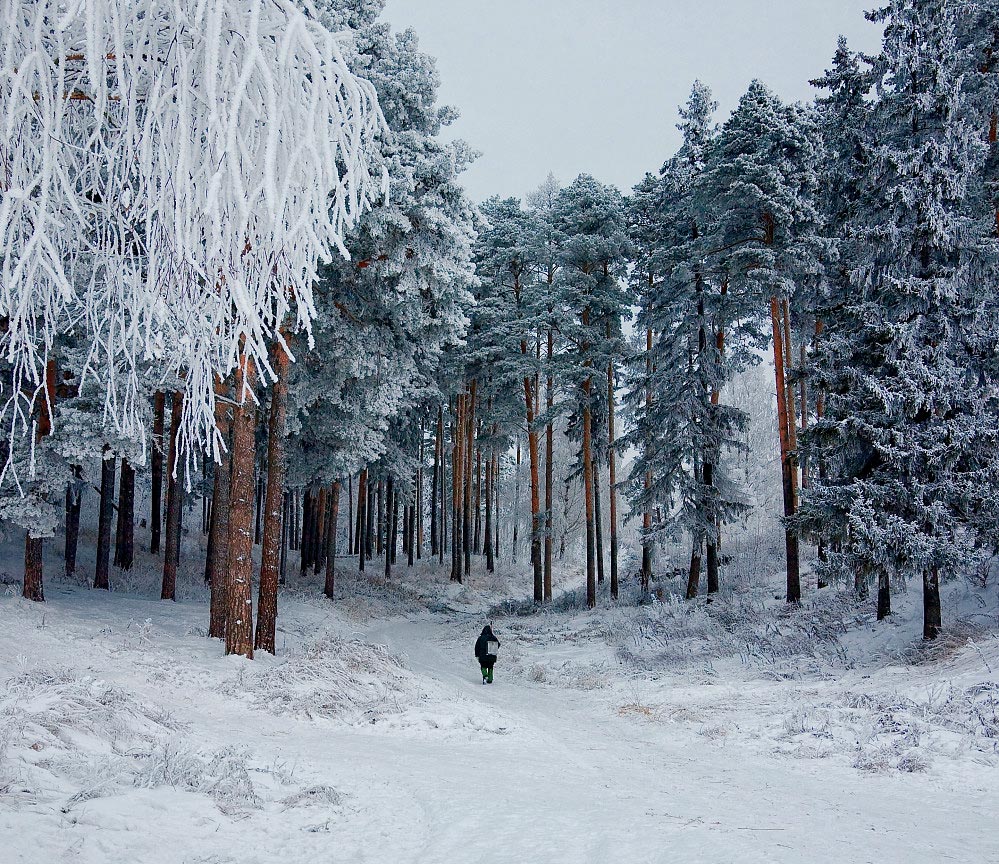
x=593, y=85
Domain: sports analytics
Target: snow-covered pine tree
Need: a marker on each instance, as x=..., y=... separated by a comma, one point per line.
x=591, y=217
x=756, y=196
x=911, y=410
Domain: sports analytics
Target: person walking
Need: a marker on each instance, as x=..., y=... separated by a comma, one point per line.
x=486, y=647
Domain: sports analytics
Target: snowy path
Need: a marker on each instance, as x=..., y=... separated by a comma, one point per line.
x=579, y=783
x=557, y=775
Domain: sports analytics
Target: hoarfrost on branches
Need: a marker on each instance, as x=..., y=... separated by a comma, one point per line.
x=172, y=174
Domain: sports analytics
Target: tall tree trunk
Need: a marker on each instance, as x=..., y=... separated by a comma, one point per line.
x=330, y=585
x=457, y=463
x=369, y=520
x=477, y=544
x=124, y=553
x=390, y=526
x=516, y=506
x=382, y=529
x=32, y=588
x=549, y=467
x=106, y=514
x=239, y=632
x=612, y=475
x=434, y=481
x=787, y=467
x=306, y=541
x=270, y=554
x=285, y=534
x=159, y=446
x=532, y=449
x=419, y=495
x=74, y=498
x=884, y=594
x=646, y=577
x=411, y=551
x=488, y=527
x=350, y=515
x=319, y=538
x=694, y=573
x=218, y=531
x=258, y=512
x=932, y=619
x=598, y=523
x=362, y=504
x=466, y=525
x=586, y=457
x=175, y=495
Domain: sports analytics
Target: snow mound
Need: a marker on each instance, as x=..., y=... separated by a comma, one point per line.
x=67, y=738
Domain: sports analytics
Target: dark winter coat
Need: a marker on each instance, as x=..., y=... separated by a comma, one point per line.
x=486, y=660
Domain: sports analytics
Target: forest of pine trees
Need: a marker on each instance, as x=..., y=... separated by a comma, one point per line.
x=324, y=355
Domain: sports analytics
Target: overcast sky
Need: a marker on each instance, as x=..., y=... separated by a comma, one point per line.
x=593, y=85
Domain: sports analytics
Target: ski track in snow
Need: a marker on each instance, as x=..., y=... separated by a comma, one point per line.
x=515, y=772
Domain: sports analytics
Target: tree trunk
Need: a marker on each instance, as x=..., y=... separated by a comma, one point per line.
x=477, y=546
x=32, y=588
x=124, y=554
x=694, y=573
x=411, y=551
x=159, y=445
x=350, y=515
x=598, y=523
x=587, y=460
x=516, y=506
x=270, y=554
x=175, y=494
x=612, y=477
x=74, y=498
x=285, y=520
x=884, y=594
x=532, y=449
x=646, y=576
x=490, y=561
x=218, y=531
x=549, y=468
x=105, y=515
x=466, y=524
x=319, y=537
x=788, y=470
x=330, y=585
x=369, y=520
x=239, y=632
x=389, y=540
x=434, y=481
x=457, y=464
x=306, y=541
x=932, y=620
x=258, y=511
x=362, y=503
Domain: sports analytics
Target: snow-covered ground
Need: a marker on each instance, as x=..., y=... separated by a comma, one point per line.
x=736, y=732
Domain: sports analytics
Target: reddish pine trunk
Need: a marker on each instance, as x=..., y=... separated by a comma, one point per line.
x=532, y=450
x=124, y=554
x=175, y=494
x=218, y=531
x=457, y=464
x=390, y=536
x=788, y=471
x=434, y=481
x=106, y=513
x=331, y=546
x=239, y=629
x=411, y=550
x=156, y=515
x=270, y=554
x=932, y=619
x=587, y=459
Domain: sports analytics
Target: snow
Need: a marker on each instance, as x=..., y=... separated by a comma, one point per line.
x=640, y=734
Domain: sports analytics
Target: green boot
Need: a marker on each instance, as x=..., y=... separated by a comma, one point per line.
x=485, y=675
x=489, y=675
